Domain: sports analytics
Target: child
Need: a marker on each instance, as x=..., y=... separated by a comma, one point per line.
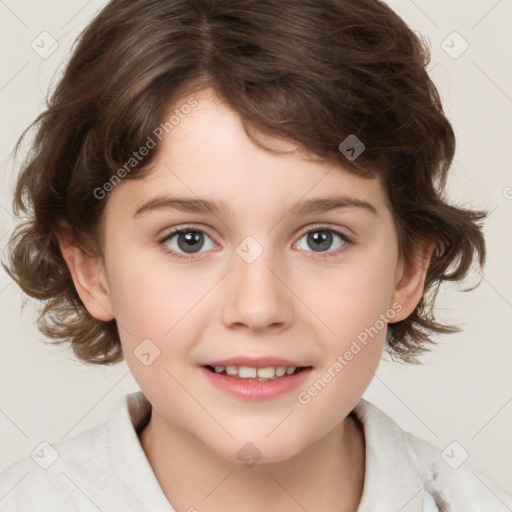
x=255, y=129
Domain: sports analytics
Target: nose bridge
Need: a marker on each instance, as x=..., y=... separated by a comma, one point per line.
x=258, y=298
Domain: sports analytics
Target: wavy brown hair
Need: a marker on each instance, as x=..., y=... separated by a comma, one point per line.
x=308, y=71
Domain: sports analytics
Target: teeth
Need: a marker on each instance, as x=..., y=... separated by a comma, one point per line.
x=247, y=372
x=231, y=370
x=266, y=373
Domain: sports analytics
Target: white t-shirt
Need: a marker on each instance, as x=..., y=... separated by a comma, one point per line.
x=105, y=469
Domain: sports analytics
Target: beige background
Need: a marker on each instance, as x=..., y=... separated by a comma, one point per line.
x=462, y=393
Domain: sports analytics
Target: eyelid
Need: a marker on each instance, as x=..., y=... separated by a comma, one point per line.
x=181, y=228
x=322, y=225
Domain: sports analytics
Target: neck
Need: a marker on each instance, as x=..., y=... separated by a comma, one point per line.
x=327, y=475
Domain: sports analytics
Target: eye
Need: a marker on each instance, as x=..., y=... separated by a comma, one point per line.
x=322, y=238
x=186, y=240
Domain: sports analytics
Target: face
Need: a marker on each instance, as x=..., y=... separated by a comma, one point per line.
x=261, y=281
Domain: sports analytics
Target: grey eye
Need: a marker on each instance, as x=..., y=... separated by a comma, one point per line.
x=321, y=240
x=189, y=241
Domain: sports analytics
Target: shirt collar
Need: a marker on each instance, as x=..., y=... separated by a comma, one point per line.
x=128, y=459
x=392, y=481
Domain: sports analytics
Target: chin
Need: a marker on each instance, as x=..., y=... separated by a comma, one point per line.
x=259, y=451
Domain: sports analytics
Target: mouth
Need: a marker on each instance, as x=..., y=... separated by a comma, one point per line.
x=261, y=381
x=258, y=374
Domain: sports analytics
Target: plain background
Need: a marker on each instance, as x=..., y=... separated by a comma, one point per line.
x=462, y=392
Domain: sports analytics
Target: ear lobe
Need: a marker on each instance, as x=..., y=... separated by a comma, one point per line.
x=88, y=273
x=410, y=281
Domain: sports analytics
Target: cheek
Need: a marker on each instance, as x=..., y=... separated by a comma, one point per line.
x=151, y=299
x=157, y=320
x=353, y=306
x=353, y=298
x=162, y=310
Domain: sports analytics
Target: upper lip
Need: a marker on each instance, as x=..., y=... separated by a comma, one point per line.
x=256, y=362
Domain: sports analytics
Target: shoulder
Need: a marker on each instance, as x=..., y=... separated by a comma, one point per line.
x=443, y=472
x=452, y=480
x=104, y=468
x=59, y=474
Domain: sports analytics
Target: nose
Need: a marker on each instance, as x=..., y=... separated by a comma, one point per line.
x=257, y=296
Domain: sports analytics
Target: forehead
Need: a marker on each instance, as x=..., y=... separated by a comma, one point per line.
x=208, y=155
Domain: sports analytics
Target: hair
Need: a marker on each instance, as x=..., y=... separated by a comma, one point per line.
x=308, y=71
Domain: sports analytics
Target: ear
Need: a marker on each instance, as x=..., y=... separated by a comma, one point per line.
x=410, y=280
x=88, y=273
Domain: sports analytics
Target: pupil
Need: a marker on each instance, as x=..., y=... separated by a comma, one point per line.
x=190, y=239
x=322, y=240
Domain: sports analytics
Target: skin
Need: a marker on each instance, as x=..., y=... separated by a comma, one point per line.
x=290, y=302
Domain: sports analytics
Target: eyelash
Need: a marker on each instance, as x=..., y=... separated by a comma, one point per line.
x=348, y=242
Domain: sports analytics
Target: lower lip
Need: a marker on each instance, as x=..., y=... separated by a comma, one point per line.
x=256, y=390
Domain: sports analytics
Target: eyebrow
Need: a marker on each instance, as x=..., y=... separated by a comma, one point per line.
x=197, y=205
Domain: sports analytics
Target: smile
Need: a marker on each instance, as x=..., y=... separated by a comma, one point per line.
x=252, y=383
x=258, y=374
